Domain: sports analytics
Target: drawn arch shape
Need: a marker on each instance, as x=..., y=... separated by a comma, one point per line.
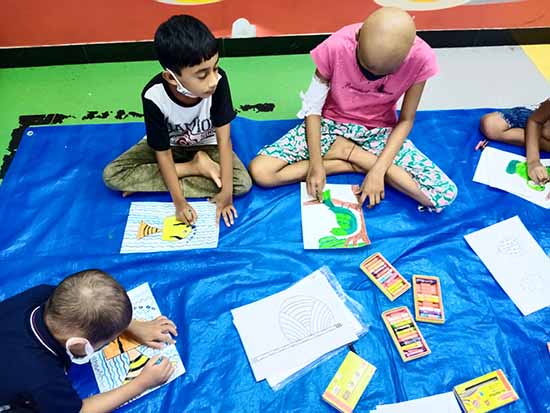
x=303, y=316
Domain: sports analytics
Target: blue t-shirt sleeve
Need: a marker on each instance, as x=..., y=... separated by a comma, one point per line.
x=57, y=396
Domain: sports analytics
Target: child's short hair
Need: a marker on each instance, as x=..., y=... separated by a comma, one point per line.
x=184, y=41
x=90, y=303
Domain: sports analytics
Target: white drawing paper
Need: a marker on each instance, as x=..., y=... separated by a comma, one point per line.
x=516, y=261
x=507, y=171
x=287, y=331
x=112, y=368
x=152, y=227
x=337, y=222
x=439, y=403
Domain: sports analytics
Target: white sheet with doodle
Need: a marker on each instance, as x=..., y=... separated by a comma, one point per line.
x=287, y=331
x=204, y=234
x=319, y=221
x=516, y=261
x=494, y=169
x=111, y=373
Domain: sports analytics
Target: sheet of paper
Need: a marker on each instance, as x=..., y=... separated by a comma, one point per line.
x=337, y=222
x=516, y=261
x=439, y=403
x=113, y=367
x=285, y=332
x=508, y=171
x=152, y=227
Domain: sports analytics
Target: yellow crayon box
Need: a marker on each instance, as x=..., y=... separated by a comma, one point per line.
x=349, y=383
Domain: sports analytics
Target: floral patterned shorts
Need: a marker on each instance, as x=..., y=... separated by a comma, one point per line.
x=433, y=182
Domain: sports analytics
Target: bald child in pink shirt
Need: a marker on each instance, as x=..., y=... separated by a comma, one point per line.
x=350, y=116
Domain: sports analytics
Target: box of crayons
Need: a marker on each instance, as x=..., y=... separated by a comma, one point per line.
x=385, y=276
x=405, y=333
x=349, y=383
x=428, y=300
x=485, y=393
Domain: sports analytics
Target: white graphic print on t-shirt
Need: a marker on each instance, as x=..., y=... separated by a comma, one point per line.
x=186, y=125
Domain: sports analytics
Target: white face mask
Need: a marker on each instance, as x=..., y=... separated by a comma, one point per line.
x=87, y=348
x=180, y=88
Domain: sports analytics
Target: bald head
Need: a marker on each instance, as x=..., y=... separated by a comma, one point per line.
x=385, y=40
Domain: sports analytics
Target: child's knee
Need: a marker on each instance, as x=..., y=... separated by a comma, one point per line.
x=242, y=183
x=109, y=174
x=492, y=125
x=260, y=171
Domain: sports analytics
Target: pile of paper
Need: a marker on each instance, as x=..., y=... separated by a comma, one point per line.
x=290, y=330
x=517, y=262
x=440, y=403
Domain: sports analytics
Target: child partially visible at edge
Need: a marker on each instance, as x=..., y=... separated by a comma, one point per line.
x=523, y=126
x=187, y=110
x=46, y=328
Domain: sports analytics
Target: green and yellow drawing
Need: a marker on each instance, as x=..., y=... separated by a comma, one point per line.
x=172, y=230
x=349, y=233
x=520, y=169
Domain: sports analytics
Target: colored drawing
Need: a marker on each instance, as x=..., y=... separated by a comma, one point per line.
x=508, y=172
x=152, y=227
x=145, y=230
x=121, y=345
x=337, y=222
x=520, y=169
x=122, y=360
x=172, y=230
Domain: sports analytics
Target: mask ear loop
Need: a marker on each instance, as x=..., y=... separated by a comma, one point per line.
x=180, y=88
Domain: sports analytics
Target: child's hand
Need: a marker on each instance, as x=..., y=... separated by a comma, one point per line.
x=373, y=188
x=316, y=180
x=538, y=173
x=157, y=371
x=224, y=208
x=186, y=213
x=156, y=333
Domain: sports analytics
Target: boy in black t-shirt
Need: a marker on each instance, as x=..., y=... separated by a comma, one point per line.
x=46, y=328
x=188, y=110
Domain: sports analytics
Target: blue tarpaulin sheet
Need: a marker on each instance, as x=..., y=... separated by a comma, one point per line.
x=58, y=218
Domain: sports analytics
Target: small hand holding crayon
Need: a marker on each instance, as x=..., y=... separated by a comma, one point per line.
x=538, y=173
x=186, y=213
x=156, y=372
x=315, y=181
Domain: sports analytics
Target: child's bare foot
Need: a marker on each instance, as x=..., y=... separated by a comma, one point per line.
x=127, y=193
x=207, y=167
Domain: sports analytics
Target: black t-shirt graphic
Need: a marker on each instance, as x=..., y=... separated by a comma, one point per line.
x=169, y=122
